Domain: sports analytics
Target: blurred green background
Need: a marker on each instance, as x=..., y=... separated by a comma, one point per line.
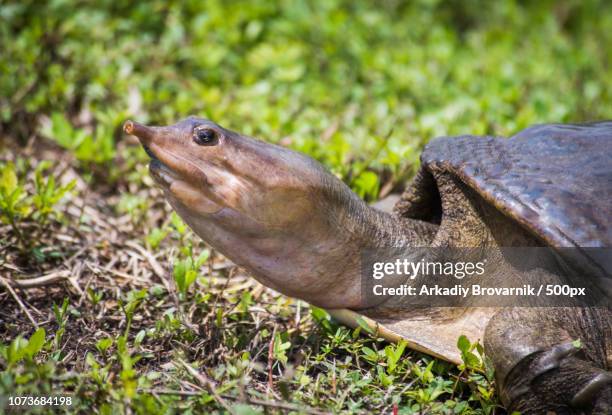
x=359, y=85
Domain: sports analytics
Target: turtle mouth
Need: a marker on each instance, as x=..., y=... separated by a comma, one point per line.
x=147, y=150
x=161, y=173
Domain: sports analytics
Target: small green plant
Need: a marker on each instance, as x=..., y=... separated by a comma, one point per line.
x=104, y=344
x=156, y=236
x=366, y=185
x=99, y=374
x=61, y=313
x=128, y=374
x=479, y=371
x=136, y=206
x=246, y=299
x=186, y=270
x=471, y=360
x=129, y=306
x=279, y=350
x=20, y=348
x=21, y=202
x=178, y=225
x=61, y=318
x=13, y=198
x=394, y=353
x=47, y=192
x=97, y=148
x=94, y=296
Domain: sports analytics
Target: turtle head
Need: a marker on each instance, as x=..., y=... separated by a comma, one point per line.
x=210, y=170
x=265, y=207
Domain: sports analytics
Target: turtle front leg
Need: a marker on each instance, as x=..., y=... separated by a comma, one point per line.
x=552, y=359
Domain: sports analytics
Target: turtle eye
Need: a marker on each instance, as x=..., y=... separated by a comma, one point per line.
x=205, y=137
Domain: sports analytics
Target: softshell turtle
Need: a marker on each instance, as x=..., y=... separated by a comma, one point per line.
x=300, y=230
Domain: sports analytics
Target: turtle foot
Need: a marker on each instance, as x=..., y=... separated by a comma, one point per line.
x=559, y=381
x=540, y=365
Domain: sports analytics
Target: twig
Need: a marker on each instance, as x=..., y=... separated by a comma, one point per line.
x=18, y=300
x=125, y=275
x=206, y=383
x=271, y=359
x=155, y=266
x=298, y=315
x=41, y=281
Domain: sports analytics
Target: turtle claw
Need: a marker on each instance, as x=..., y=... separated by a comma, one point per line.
x=592, y=390
x=529, y=379
x=545, y=362
x=539, y=369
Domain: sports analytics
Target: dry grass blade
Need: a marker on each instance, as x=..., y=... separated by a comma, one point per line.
x=271, y=360
x=44, y=280
x=207, y=384
x=18, y=300
x=155, y=265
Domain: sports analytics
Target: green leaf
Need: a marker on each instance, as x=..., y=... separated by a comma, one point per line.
x=202, y=258
x=190, y=277
x=177, y=223
x=103, y=344
x=179, y=272
x=366, y=185
x=369, y=354
x=399, y=349
x=279, y=348
x=36, y=342
x=470, y=359
x=17, y=349
x=8, y=179
x=463, y=344
x=246, y=299
x=156, y=236
x=219, y=317
x=319, y=313
x=365, y=326
x=91, y=361
x=394, y=354
x=61, y=131
x=140, y=337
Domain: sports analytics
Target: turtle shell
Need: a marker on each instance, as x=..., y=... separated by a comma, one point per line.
x=555, y=180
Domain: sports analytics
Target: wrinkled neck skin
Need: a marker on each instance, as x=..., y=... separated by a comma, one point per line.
x=319, y=260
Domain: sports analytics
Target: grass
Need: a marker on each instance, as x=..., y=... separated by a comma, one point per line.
x=107, y=297
x=117, y=334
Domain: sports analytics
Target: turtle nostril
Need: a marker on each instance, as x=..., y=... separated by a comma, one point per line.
x=128, y=127
x=145, y=134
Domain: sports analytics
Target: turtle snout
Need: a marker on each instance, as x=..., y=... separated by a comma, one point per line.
x=145, y=134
